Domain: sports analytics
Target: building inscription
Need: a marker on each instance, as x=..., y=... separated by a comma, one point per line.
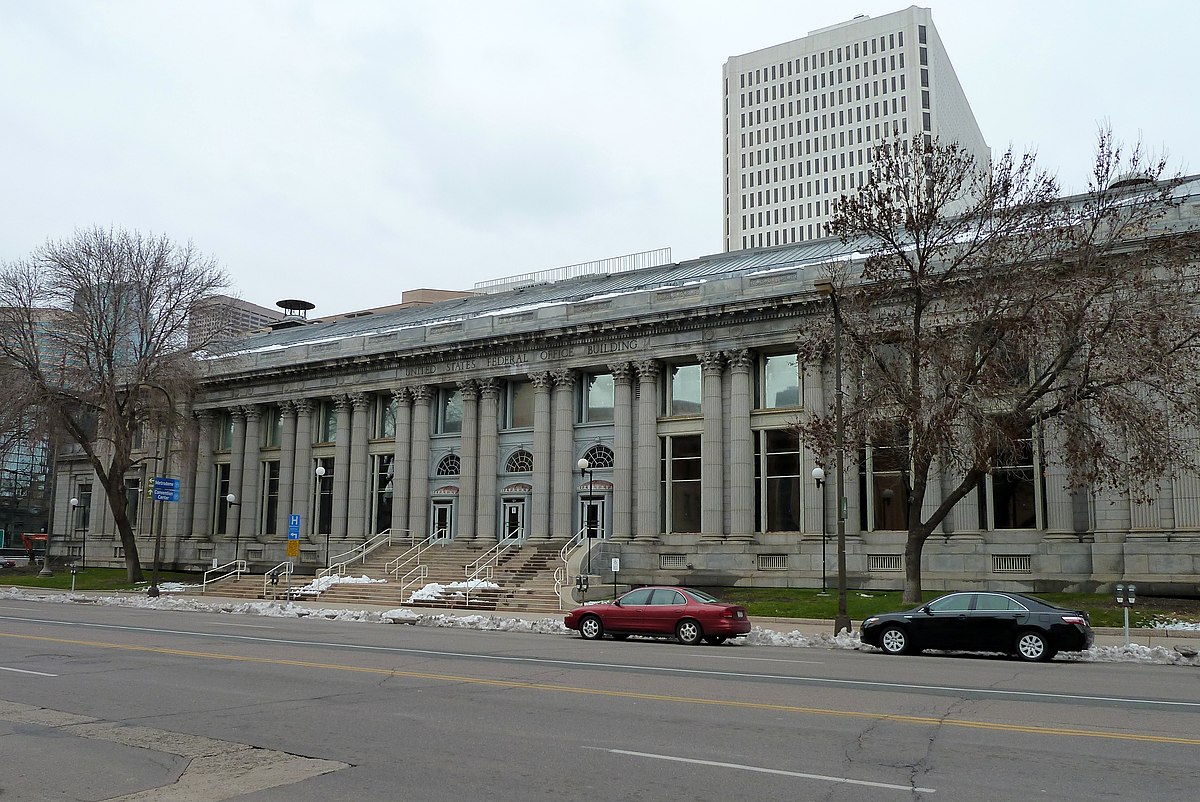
x=520, y=358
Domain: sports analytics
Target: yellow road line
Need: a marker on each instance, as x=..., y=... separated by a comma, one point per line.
x=653, y=697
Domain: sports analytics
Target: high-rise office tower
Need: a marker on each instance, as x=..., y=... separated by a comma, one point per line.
x=802, y=119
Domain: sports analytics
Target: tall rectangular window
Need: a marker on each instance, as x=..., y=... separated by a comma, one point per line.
x=884, y=482
x=270, y=509
x=326, y=430
x=780, y=386
x=681, y=483
x=133, y=500
x=777, y=481
x=221, y=524
x=1009, y=497
x=323, y=497
x=385, y=416
x=83, y=510
x=598, y=398
x=225, y=432
x=274, y=426
x=450, y=410
x=683, y=390
x=383, y=492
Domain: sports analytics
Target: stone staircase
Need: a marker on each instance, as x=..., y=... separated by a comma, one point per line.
x=523, y=575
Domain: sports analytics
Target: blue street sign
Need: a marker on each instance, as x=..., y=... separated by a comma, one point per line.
x=293, y=527
x=165, y=489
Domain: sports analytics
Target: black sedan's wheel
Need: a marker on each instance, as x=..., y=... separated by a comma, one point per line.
x=689, y=632
x=715, y=640
x=1033, y=647
x=894, y=640
x=591, y=628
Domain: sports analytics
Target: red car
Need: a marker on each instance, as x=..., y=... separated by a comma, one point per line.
x=689, y=615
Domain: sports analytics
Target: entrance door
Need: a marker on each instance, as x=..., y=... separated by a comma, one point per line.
x=512, y=524
x=591, y=517
x=443, y=520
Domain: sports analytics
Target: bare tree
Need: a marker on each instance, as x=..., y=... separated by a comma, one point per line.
x=94, y=342
x=989, y=306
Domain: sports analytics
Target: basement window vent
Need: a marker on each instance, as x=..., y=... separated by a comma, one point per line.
x=672, y=561
x=1012, y=564
x=118, y=552
x=885, y=562
x=772, y=562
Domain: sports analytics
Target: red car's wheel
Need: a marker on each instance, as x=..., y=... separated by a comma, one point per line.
x=591, y=628
x=689, y=632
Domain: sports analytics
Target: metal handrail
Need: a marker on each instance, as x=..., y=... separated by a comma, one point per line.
x=235, y=569
x=283, y=569
x=562, y=574
x=481, y=569
x=359, y=552
x=418, y=574
x=416, y=548
x=438, y=535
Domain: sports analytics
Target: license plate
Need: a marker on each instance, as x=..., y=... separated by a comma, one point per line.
x=740, y=614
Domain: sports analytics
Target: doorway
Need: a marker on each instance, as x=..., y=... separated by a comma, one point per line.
x=443, y=520
x=512, y=524
x=592, y=517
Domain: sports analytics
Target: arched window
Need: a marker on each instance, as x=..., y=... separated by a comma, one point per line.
x=449, y=466
x=520, y=461
x=599, y=456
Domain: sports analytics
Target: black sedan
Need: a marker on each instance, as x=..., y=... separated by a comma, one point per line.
x=986, y=621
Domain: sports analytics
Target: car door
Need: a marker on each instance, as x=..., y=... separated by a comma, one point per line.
x=997, y=619
x=667, y=607
x=632, y=613
x=944, y=623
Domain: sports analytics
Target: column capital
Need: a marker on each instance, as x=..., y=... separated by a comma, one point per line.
x=563, y=378
x=422, y=394
x=712, y=363
x=403, y=395
x=648, y=369
x=541, y=380
x=359, y=401
x=252, y=411
x=287, y=407
x=303, y=406
x=237, y=413
x=489, y=388
x=740, y=360
x=469, y=390
x=203, y=416
x=622, y=372
x=341, y=403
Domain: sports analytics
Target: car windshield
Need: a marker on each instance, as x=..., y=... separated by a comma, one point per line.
x=701, y=596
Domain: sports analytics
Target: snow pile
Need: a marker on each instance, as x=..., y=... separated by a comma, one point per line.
x=1174, y=623
x=434, y=591
x=823, y=640
x=324, y=583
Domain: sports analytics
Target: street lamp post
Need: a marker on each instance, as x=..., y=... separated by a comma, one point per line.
x=231, y=500
x=818, y=475
x=842, y=621
x=74, y=523
x=586, y=473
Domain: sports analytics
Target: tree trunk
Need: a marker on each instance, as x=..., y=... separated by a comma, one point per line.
x=114, y=491
x=913, y=547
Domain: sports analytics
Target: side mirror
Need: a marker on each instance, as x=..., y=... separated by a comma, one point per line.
x=925, y=609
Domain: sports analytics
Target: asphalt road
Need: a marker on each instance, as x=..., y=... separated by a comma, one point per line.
x=134, y=704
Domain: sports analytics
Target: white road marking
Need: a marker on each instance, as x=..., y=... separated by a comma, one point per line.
x=762, y=770
x=23, y=671
x=252, y=626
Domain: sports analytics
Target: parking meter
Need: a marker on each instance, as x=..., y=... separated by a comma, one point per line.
x=1126, y=597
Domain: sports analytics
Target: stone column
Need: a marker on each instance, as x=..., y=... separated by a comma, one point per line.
x=647, y=477
x=358, y=492
x=341, y=467
x=712, y=450
x=622, y=374
x=562, y=465
x=237, y=459
x=202, y=498
x=418, y=512
x=741, y=446
x=251, y=490
x=540, y=516
x=400, y=463
x=817, y=501
x=489, y=465
x=287, y=466
x=302, y=499
x=469, y=464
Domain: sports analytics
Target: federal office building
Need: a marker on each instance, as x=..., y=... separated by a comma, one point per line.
x=465, y=420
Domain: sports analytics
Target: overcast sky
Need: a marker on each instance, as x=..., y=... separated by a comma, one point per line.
x=343, y=152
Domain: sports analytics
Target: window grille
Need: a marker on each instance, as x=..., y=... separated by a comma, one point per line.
x=449, y=466
x=885, y=562
x=599, y=457
x=772, y=562
x=672, y=560
x=520, y=461
x=1012, y=564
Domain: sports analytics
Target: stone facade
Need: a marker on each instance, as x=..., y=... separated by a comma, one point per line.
x=467, y=418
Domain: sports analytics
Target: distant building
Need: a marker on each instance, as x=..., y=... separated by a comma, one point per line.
x=802, y=120
x=223, y=317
